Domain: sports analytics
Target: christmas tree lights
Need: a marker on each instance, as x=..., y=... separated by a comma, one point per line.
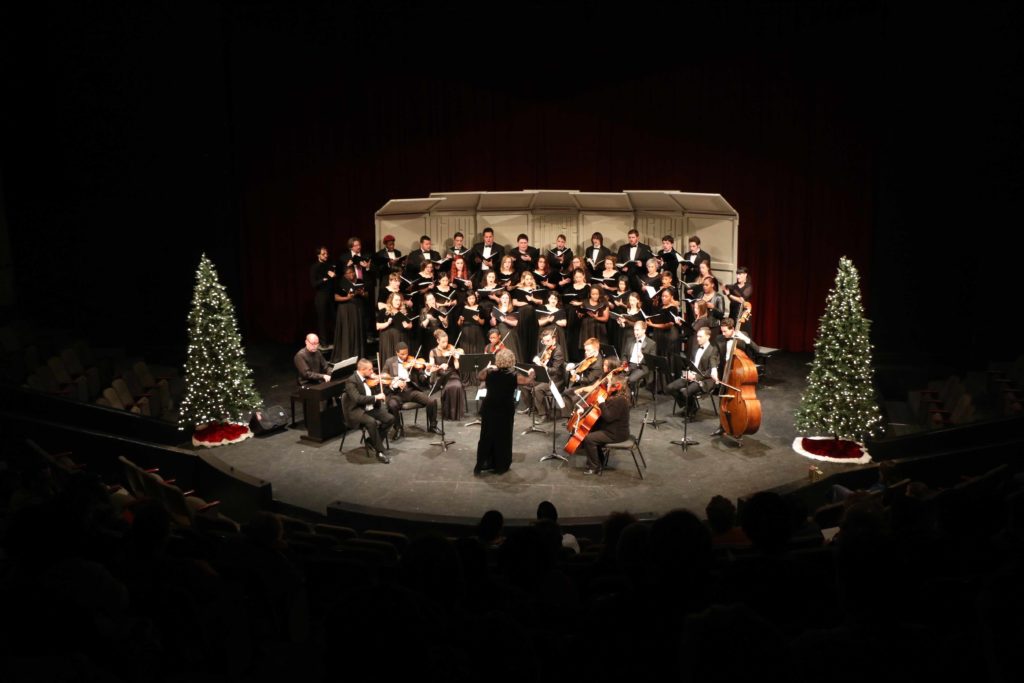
x=218, y=382
x=840, y=396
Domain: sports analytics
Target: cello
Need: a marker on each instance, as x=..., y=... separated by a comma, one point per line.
x=588, y=411
x=739, y=408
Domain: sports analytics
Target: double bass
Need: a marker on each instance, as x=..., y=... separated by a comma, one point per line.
x=588, y=411
x=739, y=408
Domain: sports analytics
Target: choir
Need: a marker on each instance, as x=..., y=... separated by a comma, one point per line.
x=542, y=303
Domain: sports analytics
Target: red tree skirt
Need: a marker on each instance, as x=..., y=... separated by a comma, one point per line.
x=220, y=434
x=831, y=450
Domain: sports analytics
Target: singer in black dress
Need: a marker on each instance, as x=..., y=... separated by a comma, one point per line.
x=494, y=450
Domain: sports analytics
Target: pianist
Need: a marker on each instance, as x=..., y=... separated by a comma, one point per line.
x=310, y=363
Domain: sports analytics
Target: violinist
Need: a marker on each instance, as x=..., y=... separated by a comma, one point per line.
x=408, y=385
x=366, y=406
x=701, y=374
x=552, y=358
x=444, y=358
x=494, y=343
x=588, y=370
x=611, y=427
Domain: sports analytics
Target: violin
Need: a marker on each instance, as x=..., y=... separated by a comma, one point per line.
x=583, y=367
x=412, y=363
x=546, y=355
x=375, y=379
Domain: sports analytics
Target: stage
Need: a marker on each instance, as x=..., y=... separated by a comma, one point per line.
x=424, y=481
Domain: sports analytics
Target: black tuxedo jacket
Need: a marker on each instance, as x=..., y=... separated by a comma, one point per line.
x=690, y=271
x=414, y=264
x=643, y=252
x=598, y=265
x=476, y=256
x=648, y=348
x=522, y=264
x=709, y=360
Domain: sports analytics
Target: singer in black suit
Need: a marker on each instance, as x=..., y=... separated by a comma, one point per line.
x=706, y=359
x=414, y=263
x=364, y=405
x=478, y=260
x=633, y=254
x=692, y=260
x=525, y=256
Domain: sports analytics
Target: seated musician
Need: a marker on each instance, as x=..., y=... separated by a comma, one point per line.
x=611, y=427
x=553, y=359
x=731, y=339
x=444, y=358
x=312, y=367
x=493, y=341
x=635, y=349
x=409, y=382
x=366, y=406
x=701, y=374
x=588, y=371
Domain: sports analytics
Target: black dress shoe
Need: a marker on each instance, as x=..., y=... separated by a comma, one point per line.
x=718, y=432
x=592, y=470
x=434, y=429
x=383, y=458
x=524, y=411
x=397, y=435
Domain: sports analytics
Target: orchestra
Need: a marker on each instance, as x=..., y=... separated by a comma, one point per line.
x=563, y=311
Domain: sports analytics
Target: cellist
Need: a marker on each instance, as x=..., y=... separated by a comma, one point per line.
x=611, y=427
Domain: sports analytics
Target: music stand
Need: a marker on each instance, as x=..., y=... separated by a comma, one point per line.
x=556, y=399
x=540, y=375
x=476, y=361
x=443, y=443
x=609, y=351
x=686, y=441
x=658, y=366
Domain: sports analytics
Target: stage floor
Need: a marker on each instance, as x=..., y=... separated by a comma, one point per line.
x=425, y=480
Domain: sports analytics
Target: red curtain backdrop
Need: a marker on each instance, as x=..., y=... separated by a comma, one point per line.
x=317, y=157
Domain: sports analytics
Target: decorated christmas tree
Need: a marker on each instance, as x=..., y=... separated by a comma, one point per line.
x=840, y=398
x=219, y=391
